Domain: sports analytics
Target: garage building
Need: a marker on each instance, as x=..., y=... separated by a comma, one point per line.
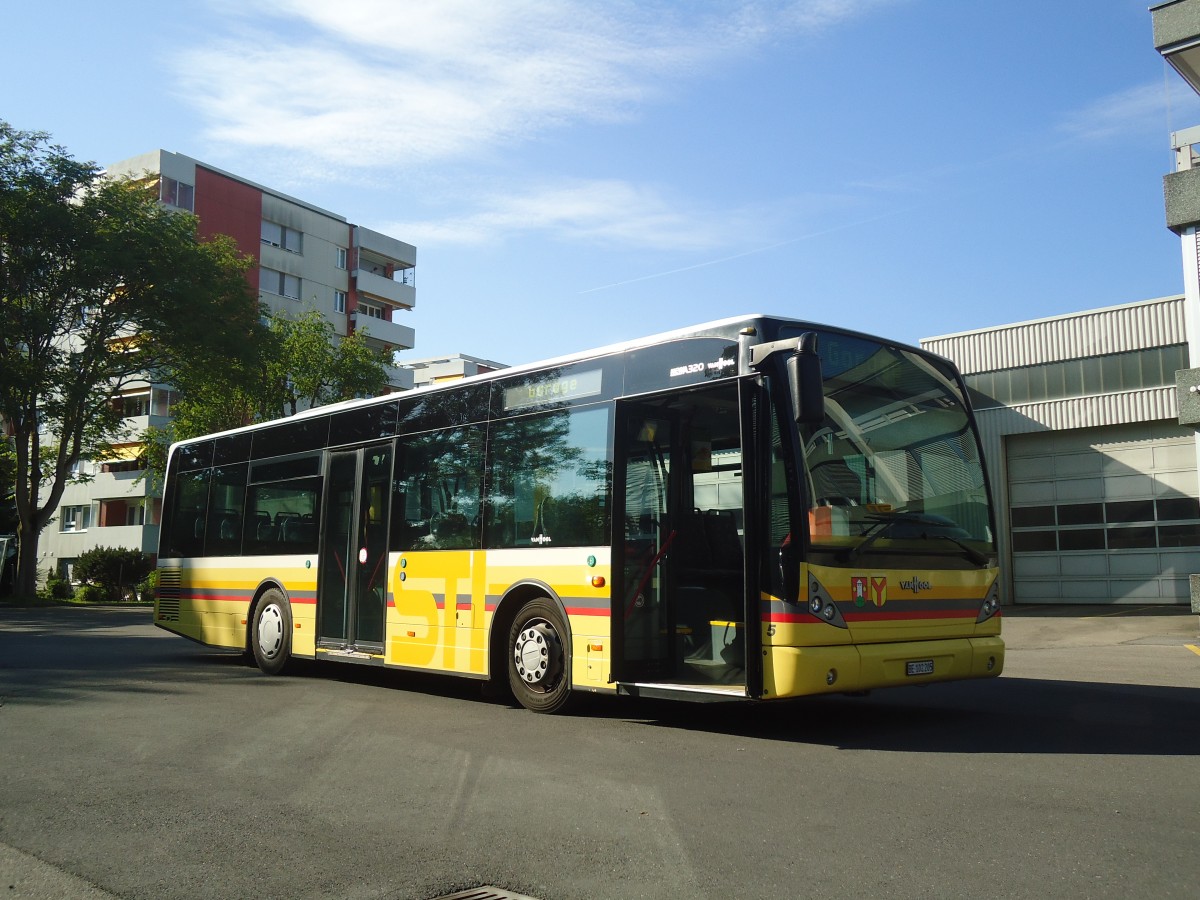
x=1093, y=477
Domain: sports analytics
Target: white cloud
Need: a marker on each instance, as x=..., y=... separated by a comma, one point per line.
x=1151, y=108
x=363, y=89
x=376, y=83
x=599, y=212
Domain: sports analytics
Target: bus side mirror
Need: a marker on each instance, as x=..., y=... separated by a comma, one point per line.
x=806, y=383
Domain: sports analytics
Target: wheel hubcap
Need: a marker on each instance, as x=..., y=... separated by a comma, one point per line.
x=538, y=654
x=270, y=631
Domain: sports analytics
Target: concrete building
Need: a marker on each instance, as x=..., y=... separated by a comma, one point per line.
x=438, y=369
x=307, y=258
x=1177, y=38
x=1093, y=475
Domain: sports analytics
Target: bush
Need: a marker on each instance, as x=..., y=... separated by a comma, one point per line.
x=94, y=593
x=148, y=587
x=55, y=589
x=112, y=571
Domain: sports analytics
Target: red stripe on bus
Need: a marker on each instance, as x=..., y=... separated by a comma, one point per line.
x=918, y=614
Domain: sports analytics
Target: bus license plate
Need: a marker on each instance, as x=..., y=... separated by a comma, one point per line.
x=919, y=667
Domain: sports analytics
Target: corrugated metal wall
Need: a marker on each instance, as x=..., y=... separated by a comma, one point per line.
x=1135, y=326
x=1148, y=405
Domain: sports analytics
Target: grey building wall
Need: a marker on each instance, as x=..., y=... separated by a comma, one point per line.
x=1098, y=358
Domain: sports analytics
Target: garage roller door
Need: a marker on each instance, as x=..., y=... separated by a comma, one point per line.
x=1104, y=515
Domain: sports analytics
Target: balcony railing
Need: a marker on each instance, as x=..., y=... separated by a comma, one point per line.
x=395, y=292
x=399, y=336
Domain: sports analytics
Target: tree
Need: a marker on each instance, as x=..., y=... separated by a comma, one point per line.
x=100, y=285
x=302, y=361
x=315, y=367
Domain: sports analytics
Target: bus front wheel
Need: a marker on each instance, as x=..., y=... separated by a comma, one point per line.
x=271, y=634
x=538, y=659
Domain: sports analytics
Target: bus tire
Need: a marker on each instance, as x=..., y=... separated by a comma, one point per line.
x=539, y=667
x=271, y=632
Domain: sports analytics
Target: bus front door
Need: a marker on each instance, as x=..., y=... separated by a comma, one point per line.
x=679, y=607
x=352, y=583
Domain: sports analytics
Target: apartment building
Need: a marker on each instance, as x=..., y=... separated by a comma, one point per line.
x=307, y=258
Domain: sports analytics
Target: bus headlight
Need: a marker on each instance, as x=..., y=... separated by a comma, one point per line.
x=991, y=604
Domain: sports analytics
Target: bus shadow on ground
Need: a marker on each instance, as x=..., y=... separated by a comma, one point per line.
x=1010, y=715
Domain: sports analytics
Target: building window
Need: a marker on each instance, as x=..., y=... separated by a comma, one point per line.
x=280, y=236
x=74, y=518
x=1108, y=373
x=133, y=405
x=371, y=311
x=274, y=282
x=161, y=401
x=176, y=193
x=341, y=257
x=339, y=301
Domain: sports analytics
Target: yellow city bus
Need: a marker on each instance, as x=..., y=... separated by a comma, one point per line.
x=749, y=509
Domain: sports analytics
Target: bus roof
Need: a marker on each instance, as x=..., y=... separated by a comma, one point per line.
x=719, y=327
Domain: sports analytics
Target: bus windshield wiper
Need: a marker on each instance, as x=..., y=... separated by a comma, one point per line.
x=971, y=553
x=882, y=524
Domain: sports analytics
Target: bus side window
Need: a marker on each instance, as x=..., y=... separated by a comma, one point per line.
x=436, y=490
x=283, y=516
x=549, y=483
x=227, y=499
x=185, y=528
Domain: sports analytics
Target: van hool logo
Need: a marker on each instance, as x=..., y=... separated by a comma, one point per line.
x=915, y=584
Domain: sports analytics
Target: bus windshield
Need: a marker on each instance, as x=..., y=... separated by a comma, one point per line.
x=895, y=465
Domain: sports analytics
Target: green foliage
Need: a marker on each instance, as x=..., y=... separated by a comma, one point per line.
x=8, y=495
x=56, y=589
x=100, y=285
x=314, y=366
x=299, y=362
x=148, y=587
x=94, y=593
x=111, y=572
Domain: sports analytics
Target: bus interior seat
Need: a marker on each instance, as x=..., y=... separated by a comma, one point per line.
x=228, y=528
x=263, y=529
x=296, y=530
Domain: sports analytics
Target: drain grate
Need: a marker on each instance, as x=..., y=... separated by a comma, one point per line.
x=486, y=892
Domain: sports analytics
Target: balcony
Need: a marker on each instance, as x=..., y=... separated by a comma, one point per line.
x=121, y=485
x=374, y=243
x=394, y=292
x=401, y=337
x=399, y=378
x=1181, y=188
x=1177, y=37
x=137, y=537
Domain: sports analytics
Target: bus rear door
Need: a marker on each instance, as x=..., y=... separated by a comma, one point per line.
x=352, y=585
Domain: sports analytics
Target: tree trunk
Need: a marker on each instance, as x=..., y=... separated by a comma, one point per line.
x=25, y=585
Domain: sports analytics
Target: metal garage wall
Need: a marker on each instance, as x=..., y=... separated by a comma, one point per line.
x=1131, y=407
x=1130, y=327
x=1115, y=329
x=1104, y=515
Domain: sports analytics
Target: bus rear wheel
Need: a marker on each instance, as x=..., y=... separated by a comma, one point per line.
x=271, y=632
x=538, y=659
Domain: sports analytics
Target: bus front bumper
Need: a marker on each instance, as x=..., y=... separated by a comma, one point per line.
x=799, y=671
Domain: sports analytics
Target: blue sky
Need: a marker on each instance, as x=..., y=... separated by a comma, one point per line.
x=579, y=173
